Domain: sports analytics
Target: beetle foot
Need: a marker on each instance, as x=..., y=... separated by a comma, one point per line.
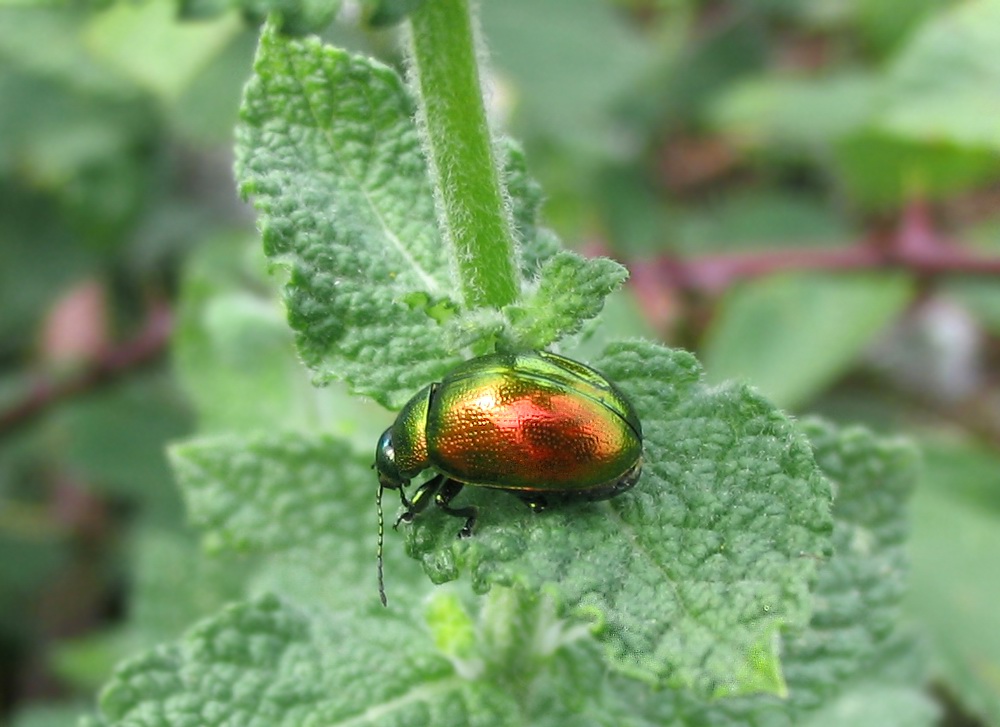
x=406, y=517
x=536, y=503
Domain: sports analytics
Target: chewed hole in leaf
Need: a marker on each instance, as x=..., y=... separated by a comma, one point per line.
x=439, y=309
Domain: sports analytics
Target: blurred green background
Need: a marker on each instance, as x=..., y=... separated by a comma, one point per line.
x=806, y=191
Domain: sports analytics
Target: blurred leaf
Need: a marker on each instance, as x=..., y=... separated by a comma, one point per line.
x=621, y=319
x=40, y=256
x=71, y=127
x=757, y=220
x=390, y=12
x=567, y=81
x=954, y=547
x=207, y=109
x=717, y=59
x=45, y=42
x=50, y=716
x=806, y=112
x=969, y=470
x=86, y=662
x=878, y=706
x=26, y=565
x=147, y=42
x=792, y=335
x=232, y=338
x=174, y=584
x=944, y=86
x=883, y=170
x=116, y=441
x=884, y=24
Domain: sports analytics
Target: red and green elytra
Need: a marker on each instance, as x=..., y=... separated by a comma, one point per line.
x=540, y=426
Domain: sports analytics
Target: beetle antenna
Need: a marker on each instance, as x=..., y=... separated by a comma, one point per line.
x=381, y=540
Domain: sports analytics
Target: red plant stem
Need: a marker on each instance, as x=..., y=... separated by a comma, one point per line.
x=117, y=361
x=915, y=247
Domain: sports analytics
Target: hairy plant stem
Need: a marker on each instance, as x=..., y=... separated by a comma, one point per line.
x=473, y=212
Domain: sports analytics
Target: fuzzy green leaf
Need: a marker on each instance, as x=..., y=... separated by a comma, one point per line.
x=570, y=290
x=328, y=151
x=266, y=663
x=853, y=655
x=690, y=577
x=268, y=493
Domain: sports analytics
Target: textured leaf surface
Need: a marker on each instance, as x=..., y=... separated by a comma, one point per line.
x=265, y=663
x=570, y=289
x=329, y=153
x=853, y=655
x=275, y=492
x=690, y=576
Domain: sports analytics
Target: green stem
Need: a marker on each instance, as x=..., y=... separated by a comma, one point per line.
x=475, y=219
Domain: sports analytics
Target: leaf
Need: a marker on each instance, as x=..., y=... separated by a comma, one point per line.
x=853, y=663
x=690, y=577
x=945, y=84
x=567, y=82
x=877, y=706
x=49, y=716
x=267, y=493
x=881, y=169
x=329, y=153
x=757, y=219
x=265, y=662
x=389, y=12
x=231, y=338
x=146, y=42
x=860, y=590
x=805, y=112
x=570, y=290
x=134, y=420
x=792, y=335
x=953, y=596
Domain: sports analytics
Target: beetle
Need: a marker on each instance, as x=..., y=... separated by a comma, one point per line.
x=538, y=425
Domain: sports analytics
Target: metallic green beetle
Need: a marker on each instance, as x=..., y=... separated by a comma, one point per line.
x=540, y=426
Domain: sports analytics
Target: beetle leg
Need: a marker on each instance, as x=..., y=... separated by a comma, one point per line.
x=537, y=503
x=421, y=499
x=443, y=500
